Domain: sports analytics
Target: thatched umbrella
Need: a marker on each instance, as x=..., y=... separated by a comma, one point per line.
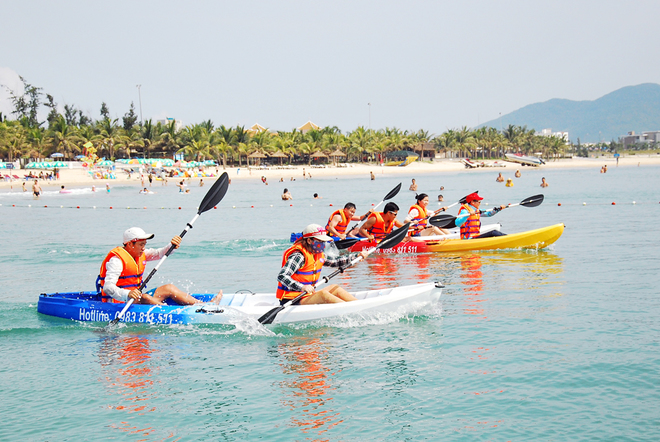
x=279, y=154
x=336, y=154
x=424, y=147
x=318, y=154
x=257, y=156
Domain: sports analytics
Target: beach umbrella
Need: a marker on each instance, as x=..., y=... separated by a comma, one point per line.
x=56, y=155
x=3, y=165
x=167, y=162
x=106, y=163
x=133, y=161
x=52, y=165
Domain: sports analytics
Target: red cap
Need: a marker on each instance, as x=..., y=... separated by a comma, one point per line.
x=473, y=197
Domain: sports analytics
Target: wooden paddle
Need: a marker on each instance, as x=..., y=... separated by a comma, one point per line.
x=391, y=240
x=212, y=197
x=446, y=220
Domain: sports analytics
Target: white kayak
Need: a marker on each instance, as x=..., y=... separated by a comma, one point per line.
x=88, y=306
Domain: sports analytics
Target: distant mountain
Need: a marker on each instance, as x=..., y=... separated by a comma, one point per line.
x=631, y=108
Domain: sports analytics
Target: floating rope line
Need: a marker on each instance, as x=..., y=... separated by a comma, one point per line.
x=46, y=206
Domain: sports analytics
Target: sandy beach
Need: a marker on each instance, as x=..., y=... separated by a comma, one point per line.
x=78, y=177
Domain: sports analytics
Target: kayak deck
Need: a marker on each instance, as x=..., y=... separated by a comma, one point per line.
x=537, y=239
x=88, y=306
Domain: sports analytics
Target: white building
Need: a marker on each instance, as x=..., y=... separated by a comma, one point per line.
x=178, y=124
x=550, y=133
x=649, y=137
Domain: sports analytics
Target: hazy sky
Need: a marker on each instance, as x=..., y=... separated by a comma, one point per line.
x=421, y=64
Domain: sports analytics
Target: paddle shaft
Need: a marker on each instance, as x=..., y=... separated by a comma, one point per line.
x=390, y=195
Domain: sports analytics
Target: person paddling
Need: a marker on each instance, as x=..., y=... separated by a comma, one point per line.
x=379, y=224
x=339, y=220
x=122, y=269
x=469, y=218
x=418, y=216
x=301, y=270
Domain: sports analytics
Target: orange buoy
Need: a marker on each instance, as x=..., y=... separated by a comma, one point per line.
x=559, y=204
x=613, y=203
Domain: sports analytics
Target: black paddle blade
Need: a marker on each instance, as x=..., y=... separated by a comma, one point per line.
x=269, y=316
x=215, y=193
x=392, y=193
x=444, y=220
x=532, y=201
x=346, y=243
x=394, y=237
x=463, y=200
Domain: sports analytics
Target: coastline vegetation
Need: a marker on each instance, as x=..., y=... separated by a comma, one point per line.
x=27, y=138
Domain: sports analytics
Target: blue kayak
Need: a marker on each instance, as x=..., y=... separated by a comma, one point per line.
x=89, y=307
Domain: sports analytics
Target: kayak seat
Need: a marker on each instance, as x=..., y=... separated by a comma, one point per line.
x=237, y=299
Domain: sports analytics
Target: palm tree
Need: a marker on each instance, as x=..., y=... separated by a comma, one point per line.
x=107, y=137
x=64, y=138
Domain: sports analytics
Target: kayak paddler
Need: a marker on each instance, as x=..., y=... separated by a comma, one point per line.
x=418, y=214
x=301, y=269
x=122, y=269
x=339, y=220
x=469, y=218
x=379, y=224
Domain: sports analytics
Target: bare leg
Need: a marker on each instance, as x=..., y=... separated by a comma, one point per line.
x=175, y=294
x=341, y=293
x=217, y=298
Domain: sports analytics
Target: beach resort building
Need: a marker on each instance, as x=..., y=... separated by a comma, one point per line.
x=632, y=138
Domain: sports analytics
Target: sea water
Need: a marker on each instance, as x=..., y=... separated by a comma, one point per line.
x=553, y=344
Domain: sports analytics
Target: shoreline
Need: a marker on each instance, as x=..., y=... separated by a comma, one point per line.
x=77, y=178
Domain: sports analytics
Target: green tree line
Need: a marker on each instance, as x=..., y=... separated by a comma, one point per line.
x=26, y=137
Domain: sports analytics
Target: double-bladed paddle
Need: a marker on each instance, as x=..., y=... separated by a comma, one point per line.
x=390, y=195
x=391, y=240
x=212, y=197
x=446, y=220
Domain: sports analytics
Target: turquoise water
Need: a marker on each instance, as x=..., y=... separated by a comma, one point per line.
x=557, y=344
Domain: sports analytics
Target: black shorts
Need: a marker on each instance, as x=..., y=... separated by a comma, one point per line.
x=284, y=301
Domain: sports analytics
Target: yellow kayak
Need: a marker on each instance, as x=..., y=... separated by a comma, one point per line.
x=535, y=239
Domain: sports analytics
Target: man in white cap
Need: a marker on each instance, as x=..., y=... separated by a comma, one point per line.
x=122, y=269
x=301, y=270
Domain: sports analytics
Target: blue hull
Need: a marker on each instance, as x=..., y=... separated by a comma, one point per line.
x=88, y=306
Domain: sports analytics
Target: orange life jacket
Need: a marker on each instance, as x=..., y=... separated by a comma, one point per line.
x=131, y=274
x=380, y=230
x=341, y=225
x=308, y=274
x=472, y=226
x=421, y=214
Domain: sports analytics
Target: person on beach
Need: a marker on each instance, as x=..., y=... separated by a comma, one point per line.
x=121, y=272
x=150, y=178
x=317, y=197
x=441, y=198
x=107, y=188
x=373, y=177
x=544, y=182
x=500, y=178
x=36, y=189
x=418, y=216
x=145, y=190
x=339, y=220
x=304, y=176
x=93, y=188
x=181, y=186
x=379, y=224
x=517, y=174
x=413, y=186
x=286, y=195
x=63, y=190
x=301, y=270
x=509, y=182
x=469, y=218
x=24, y=189
x=201, y=182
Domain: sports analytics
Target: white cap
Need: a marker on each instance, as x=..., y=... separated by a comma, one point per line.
x=136, y=233
x=317, y=232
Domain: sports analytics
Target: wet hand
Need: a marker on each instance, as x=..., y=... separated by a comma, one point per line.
x=135, y=294
x=176, y=241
